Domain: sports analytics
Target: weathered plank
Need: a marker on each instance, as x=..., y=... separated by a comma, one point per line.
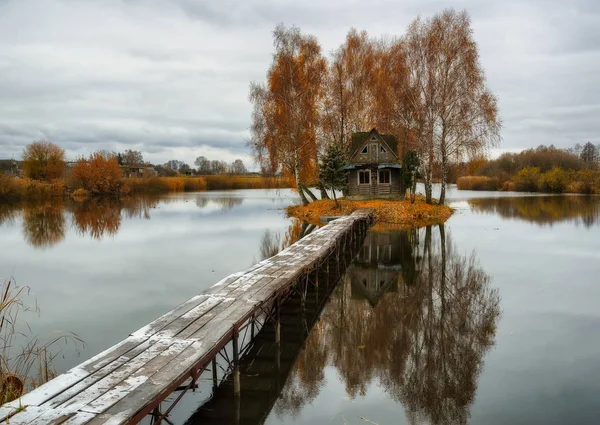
x=153, y=327
x=71, y=377
x=159, y=386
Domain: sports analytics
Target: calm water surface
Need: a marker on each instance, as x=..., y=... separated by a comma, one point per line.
x=489, y=319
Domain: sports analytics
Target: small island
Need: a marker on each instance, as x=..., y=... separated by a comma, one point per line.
x=373, y=177
x=388, y=212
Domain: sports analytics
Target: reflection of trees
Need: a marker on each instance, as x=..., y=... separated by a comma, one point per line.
x=227, y=203
x=423, y=342
x=140, y=206
x=271, y=244
x=102, y=217
x=43, y=224
x=451, y=332
x=305, y=380
x=9, y=212
x=97, y=217
x=543, y=209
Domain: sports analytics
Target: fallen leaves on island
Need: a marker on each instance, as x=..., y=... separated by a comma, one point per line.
x=387, y=212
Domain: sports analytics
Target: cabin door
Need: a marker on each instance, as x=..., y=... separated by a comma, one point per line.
x=374, y=150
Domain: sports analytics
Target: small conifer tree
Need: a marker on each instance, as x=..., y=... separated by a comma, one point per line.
x=332, y=170
x=410, y=166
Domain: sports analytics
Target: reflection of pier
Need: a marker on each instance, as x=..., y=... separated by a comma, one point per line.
x=266, y=365
x=130, y=380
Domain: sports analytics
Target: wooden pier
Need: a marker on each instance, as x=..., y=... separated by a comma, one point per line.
x=130, y=380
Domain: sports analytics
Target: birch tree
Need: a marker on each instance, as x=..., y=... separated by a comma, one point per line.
x=421, y=60
x=467, y=121
x=286, y=112
x=348, y=101
x=459, y=113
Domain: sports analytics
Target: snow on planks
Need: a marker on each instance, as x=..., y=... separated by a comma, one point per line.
x=123, y=383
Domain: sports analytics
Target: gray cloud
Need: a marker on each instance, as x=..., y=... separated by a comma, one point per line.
x=171, y=77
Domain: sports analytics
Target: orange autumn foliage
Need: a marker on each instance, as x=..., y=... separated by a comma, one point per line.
x=286, y=112
x=43, y=160
x=394, y=212
x=99, y=175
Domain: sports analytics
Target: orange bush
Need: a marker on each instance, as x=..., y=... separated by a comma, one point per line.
x=43, y=160
x=99, y=175
x=527, y=180
x=554, y=181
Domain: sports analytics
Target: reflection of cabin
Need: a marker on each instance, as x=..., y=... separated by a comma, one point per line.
x=377, y=268
x=138, y=171
x=374, y=170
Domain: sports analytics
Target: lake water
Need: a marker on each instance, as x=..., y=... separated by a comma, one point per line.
x=489, y=319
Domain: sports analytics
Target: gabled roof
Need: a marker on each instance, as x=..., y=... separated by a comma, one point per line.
x=358, y=139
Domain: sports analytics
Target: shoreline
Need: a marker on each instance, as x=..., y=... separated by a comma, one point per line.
x=400, y=213
x=25, y=189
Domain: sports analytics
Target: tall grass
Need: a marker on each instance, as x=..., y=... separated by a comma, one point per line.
x=13, y=189
x=25, y=361
x=16, y=189
x=227, y=182
x=532, y=179
x=198, y=184
x=153, y=185
x=477, y=183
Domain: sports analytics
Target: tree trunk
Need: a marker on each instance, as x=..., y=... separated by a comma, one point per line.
x=324, y=194
x=428, y=177
x=305, y=201
x=335, y=198
x=443, y=190
x=444, y=169
x=308, y=192
x=413, y=187
x=429, y=173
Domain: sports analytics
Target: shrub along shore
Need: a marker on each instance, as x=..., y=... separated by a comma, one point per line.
x=531, y=179
x=15, y=189
x=401, y=213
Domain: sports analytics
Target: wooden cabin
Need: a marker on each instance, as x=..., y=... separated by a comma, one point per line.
x=375, y=168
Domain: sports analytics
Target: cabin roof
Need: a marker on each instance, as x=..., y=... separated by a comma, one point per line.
x=359, y=138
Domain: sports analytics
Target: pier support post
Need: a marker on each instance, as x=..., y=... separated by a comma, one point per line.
x=236, y=365
x=214, y=373
x=303, y=296
x=278, y=320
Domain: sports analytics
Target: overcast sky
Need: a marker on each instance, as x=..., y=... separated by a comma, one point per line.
x=170, y=77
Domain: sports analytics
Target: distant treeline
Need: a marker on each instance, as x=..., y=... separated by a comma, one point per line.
x=46, y=174
x=543, y=169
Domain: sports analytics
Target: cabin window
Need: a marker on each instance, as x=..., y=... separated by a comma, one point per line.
x=385, y=177
x=374, y=138
x=384, y=254
x=365, y=149
x=382, y=149
x=364, y=176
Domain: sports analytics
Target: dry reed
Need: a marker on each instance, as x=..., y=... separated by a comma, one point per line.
x=477, y=183
x=25, y=361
